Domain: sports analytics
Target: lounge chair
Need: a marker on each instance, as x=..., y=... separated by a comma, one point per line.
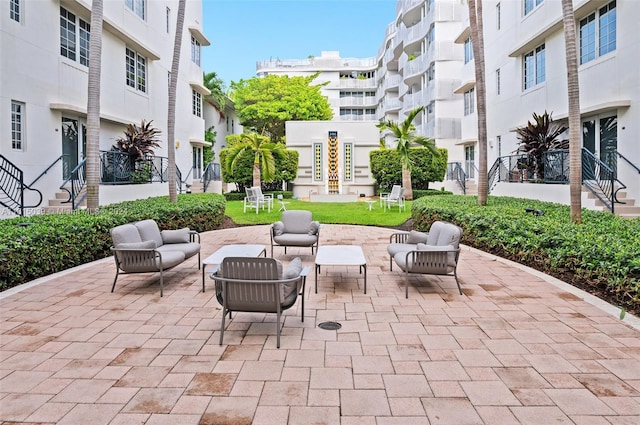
x=296, y=228
x=251, y=284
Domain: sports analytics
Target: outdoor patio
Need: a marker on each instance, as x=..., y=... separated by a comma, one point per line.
x=518, y=347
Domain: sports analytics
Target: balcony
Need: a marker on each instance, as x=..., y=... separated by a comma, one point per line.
x=357, y=83
x=369, y=101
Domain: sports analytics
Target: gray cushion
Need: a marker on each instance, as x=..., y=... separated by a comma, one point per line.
x=188, y=249
x=175, y=236
x=289, y=291
x=127, y=233
x=394, y=248
x=278, y=228
x=149, y=231
x=134, y=245
x=296, y=239
x=296, y=221
x=416, y=237
x=169, y=259
x=314, y=226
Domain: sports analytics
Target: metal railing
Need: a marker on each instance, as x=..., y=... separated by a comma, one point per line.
x=601, y=180
x=556, y=166
x=12, y=188
x=512, y=168
x=455, y=172
x=211, y=173
x=624, y=158
x=74, y=185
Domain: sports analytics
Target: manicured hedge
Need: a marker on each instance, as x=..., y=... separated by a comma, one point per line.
x=35, y=246
x=239, y=196
x=603, y=252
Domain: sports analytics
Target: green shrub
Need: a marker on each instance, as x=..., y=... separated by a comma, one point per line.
x=603, y=252
x=36, y=246
x=419, y=193
x=387, y=171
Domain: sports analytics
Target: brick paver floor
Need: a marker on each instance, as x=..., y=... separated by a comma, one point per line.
x=516, y=348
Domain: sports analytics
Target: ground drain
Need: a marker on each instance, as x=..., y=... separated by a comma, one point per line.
x=330, y=326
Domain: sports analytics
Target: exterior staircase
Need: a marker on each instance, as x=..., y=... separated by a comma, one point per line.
x=59, y=206
x=472, y=187
x=629, y=209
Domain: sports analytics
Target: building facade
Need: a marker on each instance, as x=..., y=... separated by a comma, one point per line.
x=43, y=85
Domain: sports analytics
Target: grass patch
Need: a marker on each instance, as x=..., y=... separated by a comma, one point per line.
x=330, y=213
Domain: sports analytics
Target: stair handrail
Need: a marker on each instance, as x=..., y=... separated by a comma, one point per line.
x=60, y=158
x=603, y=188
x=77, y=184
x=624, y=158
x=495, y=173
x=13, y=187
x=455, y=172
x=207, y=176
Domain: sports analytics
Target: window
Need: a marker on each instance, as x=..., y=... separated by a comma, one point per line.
x=17, y=125
x=74, y=43
x=431, y=35
x=136, y=70
x=14, y=10
x=498, y=81
x=598, y=40
x=469, y=102
x=137, y=6
x=534, y=67
x=431, y=72
x=196, y=103
x=168, y=19
x=529, y=5
x=498, y=16
x=195, y=51
x=431, y=110
x=468, y=50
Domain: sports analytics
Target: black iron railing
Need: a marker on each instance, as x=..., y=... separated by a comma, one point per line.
x=455, y=172
x=211, y=173
x=556, y=166
x=74, y=185
x=12, y=188
x=601, y=180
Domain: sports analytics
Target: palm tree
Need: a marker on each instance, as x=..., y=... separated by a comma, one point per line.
x=216, y=86
x=264, y=164
x=477, y=39
x=405, y=136
x=93, y=107
x=573, y=91
x=171, y=118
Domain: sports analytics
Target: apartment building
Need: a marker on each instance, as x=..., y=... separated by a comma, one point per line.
x=43, y=85
x=526, y=73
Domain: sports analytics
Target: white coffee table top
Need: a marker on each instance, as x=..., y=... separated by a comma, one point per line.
x=340, y=255
x=234, y=251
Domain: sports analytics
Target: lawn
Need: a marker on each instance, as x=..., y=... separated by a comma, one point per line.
x=324, y=212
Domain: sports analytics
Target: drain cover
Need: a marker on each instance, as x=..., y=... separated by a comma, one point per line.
x=330, y=326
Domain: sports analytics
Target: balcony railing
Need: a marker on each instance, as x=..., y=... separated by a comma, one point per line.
x=120, y=168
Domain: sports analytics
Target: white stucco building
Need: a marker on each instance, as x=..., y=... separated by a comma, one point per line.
x=43, y=84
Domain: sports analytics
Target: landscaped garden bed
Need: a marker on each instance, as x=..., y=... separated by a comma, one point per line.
x=601, y=255
x=35, y=246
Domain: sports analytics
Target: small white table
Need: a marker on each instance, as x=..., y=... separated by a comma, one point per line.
x=370, y=202
x=233, y=251
x=340, y=255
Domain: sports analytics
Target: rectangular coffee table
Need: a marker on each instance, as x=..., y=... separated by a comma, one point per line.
x=233, y=251
x=340, y=255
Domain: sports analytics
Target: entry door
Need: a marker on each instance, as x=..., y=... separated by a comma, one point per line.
x=197, y=154
x=74, y=136
x=600, y=137
x=470, y=161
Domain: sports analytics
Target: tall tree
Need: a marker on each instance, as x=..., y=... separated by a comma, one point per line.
x=263, y=149
x=406, y=137
x=573, y=92
x=171, y=117
x=477, y=39
x=93, y=107
x=216, y=86
x=265, y=104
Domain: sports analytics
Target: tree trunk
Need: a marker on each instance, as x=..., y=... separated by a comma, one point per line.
x=477, y=39
x=573, y=91
x=256, y=173
x=171, y=118
x=93, y=108
x=406, y=183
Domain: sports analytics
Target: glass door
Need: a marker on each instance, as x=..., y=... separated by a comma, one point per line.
x=196, y=152
x=470, y=161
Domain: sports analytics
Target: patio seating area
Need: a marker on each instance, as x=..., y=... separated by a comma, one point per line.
x=518, y=347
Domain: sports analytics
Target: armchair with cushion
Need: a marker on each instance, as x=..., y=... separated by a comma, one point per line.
x=436, y=252
x=141, y=247
x=251, y=284
x=296, y=228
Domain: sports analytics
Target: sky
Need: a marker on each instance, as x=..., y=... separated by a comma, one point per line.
x=243, y=32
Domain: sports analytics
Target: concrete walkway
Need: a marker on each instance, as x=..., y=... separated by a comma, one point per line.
x=517, y=348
